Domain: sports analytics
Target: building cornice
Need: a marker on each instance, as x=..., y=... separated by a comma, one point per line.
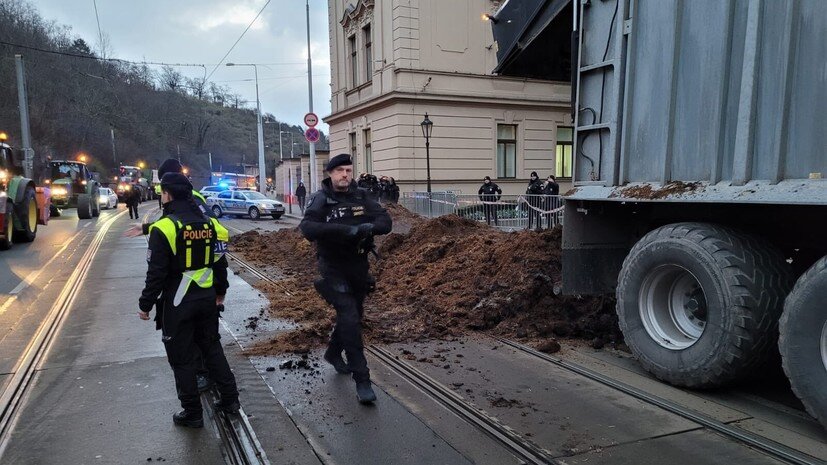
x=390, y=98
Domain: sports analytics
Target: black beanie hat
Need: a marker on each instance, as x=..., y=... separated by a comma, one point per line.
x=175, y=179
x=170, y=165
x=343, y=159
x=534, y=173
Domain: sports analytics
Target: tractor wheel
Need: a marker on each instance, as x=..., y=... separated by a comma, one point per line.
x=84, y=206
x=698, y=303
x=96, y=206
x=27, y=215
x=803, y=340
x=5, y=243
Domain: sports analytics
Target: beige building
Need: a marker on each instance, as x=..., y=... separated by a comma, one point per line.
x=292, y=170
x=393, y=61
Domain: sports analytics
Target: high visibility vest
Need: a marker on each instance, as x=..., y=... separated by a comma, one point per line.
x=196, y=246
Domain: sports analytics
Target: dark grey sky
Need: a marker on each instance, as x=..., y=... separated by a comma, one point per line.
x=201, y=31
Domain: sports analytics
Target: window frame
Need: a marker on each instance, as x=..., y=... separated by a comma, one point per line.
x=561, y=160
x=353, y=148
x=367, y=34
x=229, y=195
x=502, y=168
x=354, y=60
x=367, y=143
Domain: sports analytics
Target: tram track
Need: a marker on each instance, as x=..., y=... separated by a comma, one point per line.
x=38, y=347
x=526, y=450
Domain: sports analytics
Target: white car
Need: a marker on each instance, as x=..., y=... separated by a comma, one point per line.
x=245, y=203
x=108, y=198
x=209, y=191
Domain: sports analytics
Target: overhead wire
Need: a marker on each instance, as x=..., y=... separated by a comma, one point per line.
x=220, y=62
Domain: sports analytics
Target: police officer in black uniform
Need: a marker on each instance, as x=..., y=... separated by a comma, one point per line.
x=187, y=268
x=342, y=219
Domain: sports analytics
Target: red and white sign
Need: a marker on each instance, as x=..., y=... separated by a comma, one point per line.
x=312, y=135
x=311, y=120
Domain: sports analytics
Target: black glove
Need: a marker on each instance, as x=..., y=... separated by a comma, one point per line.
x=220, y=308
x=365, y=230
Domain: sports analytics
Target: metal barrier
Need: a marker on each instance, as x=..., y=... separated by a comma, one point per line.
x=506, y=212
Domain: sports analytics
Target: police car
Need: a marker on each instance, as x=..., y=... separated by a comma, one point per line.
x=245, y=203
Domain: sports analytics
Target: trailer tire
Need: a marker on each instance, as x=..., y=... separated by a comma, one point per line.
x=27, y=216
x=8, y=228
x=803, y=340
x=699, y=304
x=84, y=206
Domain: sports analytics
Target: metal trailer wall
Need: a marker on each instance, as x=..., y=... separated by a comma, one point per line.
x=730, y=93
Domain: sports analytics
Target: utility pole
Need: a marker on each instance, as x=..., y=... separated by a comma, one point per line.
x=112, y=134
x=23, y=103
x=313, y=183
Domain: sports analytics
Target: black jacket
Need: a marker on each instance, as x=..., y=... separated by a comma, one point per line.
x=301, y=191
x=331, y=222
x=489, y=192
x=551, y=188
x=162, y=279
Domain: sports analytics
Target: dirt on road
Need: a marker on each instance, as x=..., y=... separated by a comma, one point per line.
x=436, y=279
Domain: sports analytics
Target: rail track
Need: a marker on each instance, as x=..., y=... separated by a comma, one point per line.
x=526, y=450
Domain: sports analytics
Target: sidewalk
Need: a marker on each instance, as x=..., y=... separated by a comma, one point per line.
x=105, y=393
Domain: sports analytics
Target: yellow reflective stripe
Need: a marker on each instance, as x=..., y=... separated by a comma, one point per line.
x=198, y=195
x=220, y=230
x=167, y=228
x=158, y=189
x=189, y=257
x=207, y=254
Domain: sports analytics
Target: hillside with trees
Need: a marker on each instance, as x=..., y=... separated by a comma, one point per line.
x=77, y=99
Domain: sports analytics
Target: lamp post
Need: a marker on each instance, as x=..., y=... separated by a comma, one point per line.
x=427, y=126
x=262, y=185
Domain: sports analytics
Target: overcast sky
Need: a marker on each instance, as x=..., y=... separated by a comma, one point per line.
x=202, y=31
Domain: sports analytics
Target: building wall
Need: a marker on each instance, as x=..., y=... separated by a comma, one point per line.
x=435, y=56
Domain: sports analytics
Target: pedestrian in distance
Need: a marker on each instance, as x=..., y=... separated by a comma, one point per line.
x=534, y=191
x=394, y=190
x=551, y=191
x=301, y=195
x=489, y=192
x=342, y=220
x=188, y=270
x=132, y=200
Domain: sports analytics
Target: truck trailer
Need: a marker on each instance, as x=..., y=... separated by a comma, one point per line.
x=698, y=195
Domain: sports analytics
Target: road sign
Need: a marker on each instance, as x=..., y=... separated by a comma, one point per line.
x=311, y=120
x=312, y=135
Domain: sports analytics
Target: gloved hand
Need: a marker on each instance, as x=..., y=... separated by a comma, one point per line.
x=365, y=230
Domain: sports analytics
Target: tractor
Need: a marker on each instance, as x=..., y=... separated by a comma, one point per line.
x=74, y=186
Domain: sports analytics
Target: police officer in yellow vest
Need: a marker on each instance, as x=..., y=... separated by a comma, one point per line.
x=188, y=270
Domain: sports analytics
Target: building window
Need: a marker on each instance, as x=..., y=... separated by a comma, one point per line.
x=368, y=54
x=354, y=62
x=368, y=153
x=506, y=151
x=353, y=150
x=563, y=159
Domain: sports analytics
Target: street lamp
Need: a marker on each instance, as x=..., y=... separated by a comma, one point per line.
x=427, y=126
x=262, y=187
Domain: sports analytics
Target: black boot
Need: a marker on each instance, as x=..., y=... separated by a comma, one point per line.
x=189, y=419
x=335, y=358
x=365, y=393
x=230, y=407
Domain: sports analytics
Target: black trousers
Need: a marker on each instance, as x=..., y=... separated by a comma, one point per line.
x=188, y=328
x=301, y=203
x=133, y=210
x=347, y=296
x=533, y=215
x=490, y=211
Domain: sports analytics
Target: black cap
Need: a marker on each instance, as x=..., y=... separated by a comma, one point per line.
x=170, y=165
x=487, y=178
x=175, y=179
x=343, y=159
x=534, y=173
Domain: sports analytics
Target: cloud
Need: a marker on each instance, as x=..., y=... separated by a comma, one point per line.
x=224, y=14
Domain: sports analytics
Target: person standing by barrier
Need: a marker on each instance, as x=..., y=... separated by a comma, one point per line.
x=342, y=219
x=489, y=192
x=394, y=191
x=533, y=193
x=188, y=270
x=551, y=190
x=301, y=195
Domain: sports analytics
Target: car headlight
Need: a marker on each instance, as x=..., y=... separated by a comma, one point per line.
x=59, y=191
x=3, y=175
x=264, y=205
x=103, y=199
